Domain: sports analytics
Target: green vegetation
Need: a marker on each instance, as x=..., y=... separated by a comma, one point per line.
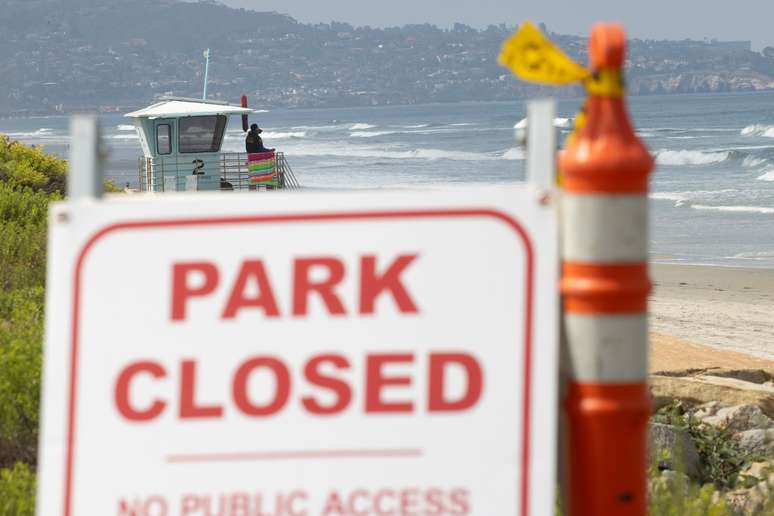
x=17, y=491
x=721, y=456
x=723, y=463
x=22, y=166
x=677, y=496
x=29, y=181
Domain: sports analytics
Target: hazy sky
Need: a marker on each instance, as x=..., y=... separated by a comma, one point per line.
x=660, y=19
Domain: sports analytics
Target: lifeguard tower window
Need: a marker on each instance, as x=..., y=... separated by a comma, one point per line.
x=200, y=133
x=163, y=141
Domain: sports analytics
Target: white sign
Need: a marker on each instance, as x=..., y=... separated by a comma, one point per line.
x=302, y=354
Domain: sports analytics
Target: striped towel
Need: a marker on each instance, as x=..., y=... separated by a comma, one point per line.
x=260, y=168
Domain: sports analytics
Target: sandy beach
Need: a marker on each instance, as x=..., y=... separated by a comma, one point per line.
x=711, y=317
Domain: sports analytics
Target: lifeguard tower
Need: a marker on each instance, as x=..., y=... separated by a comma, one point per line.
x=181, y=140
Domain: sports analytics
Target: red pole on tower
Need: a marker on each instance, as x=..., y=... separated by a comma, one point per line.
x=245, y=122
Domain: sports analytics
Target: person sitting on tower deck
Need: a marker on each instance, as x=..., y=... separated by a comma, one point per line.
x=253, y=142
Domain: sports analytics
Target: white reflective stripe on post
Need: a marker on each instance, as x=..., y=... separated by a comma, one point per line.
x=609, y=228
x=606, y=348
x=541, y=143
x=84, y=178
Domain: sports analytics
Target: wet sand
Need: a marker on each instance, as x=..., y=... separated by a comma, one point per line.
x=711, y=317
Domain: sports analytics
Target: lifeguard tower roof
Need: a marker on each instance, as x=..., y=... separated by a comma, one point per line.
x=175, y=107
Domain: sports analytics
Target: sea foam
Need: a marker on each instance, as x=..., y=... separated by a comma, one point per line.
x=766, y=176
x=361, y=126
x=562, y=123
x=736, y=209
x=753, y=162
x=381, y=152
x=685, y=198
x=766, y=131
x=280, y=135
x=42, y=132
x=274, y=135
x=754, y=255
x=514, y=154
x=369, y=134
x=690, y=157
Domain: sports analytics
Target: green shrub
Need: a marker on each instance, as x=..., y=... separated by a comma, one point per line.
x=17, y=491
x=676, y=495
x=23, y=219
x=722, y=457
x=29, y=181
x=110, y=186
x=21, y=336
x=23, y=166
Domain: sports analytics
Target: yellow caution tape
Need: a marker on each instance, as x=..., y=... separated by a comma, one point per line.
x=533, y=57
x=607, y=82
x=580, y=119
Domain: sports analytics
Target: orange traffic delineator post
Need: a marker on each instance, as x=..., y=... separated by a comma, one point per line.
x=605, y=286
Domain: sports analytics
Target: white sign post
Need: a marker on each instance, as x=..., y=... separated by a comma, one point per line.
x=302, y=354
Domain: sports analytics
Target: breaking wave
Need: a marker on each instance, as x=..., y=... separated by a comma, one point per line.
x=754, y=255
x=766, y=131
x=369, y=134
x=688, y=200
x=514, y=154
x=521, y=124
x=233, y=136
x=766, y=176
x=690, y=157
x=360, y=127
x=682, y=198
x=41, y=133
x=678, y=197
x=737, y=209
x=376, y=152
x=317, y=127
x=562, y=123
x=753, y=162
x=283, y=135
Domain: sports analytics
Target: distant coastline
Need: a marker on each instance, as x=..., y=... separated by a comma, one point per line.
x=113, y=56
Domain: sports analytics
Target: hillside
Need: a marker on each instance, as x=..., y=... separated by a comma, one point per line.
x=65, y=55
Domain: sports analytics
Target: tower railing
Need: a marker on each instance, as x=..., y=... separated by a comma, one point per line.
x=229, y=172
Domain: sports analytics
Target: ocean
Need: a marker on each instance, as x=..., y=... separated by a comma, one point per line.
x=712, y=194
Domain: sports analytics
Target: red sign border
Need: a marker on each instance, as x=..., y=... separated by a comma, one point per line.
x=307, y=217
